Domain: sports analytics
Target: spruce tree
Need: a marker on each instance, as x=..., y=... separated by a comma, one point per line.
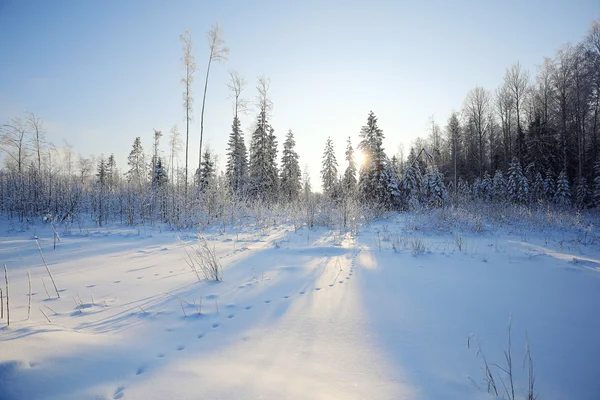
x=549, y=186
x=435, y=190
x=582, y=193
x=372, y=180
x=207, y=171
x=290, y=174
x=518, y=185
x=537, y=190
x=596, y=193
x=499, y=186
x=412, y=184
x=236, y=169
x=136, y=173
x=102, y=175
x=487, y=189
x=394, y=187
x=350, y=183
x=329, y=170
x=262, y=166
x=562, y=196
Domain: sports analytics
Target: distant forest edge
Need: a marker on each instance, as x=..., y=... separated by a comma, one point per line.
x=532, y=141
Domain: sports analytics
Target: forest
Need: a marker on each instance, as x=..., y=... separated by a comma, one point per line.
x=532, y=142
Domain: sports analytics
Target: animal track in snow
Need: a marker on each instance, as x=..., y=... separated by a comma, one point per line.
x=119, y=393
x=317, y=288
x=248, y=308
x=286, y=297
x=231, y=316
x=180, y=347
x=201, y=335
x=215, y=325
x=267, y=301
x=141, y=370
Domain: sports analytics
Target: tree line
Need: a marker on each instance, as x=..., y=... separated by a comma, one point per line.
x=529, y=141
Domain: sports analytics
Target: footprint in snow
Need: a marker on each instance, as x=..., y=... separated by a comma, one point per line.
x=119, y=393
x=215, y=325
x=200, y=335
x=267, y=301
x=141, y=370
x=180, y=347
x=317, y=288
x=331, y=285
x=340, y=281
x=286, y=297
x=160, y=355
x=117, y=282
x=230, y=316
x=248, y=308
x=302, y=292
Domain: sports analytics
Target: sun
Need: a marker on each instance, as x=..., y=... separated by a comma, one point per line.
x=360, y=158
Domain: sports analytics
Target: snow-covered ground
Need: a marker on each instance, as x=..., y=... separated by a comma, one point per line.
x=394, y=312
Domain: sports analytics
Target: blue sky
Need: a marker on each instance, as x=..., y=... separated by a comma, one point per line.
x=100, y=73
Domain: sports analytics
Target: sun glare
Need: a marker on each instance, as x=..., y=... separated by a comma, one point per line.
x=360, y=158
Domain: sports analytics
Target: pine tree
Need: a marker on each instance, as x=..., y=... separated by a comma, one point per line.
x=290, y=173
x=350, y=183
x=237, y=158
x=562, y=195
x=372, y=184
x=329, y=170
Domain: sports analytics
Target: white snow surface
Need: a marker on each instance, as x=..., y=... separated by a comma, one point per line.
x=307, y=314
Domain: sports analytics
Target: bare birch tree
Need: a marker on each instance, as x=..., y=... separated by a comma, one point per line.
x=218, y=53
x=189, y=66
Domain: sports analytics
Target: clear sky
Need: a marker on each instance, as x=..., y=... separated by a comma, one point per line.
x=100, y=73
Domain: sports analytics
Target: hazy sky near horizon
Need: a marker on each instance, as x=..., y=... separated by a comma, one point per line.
x=100, y=73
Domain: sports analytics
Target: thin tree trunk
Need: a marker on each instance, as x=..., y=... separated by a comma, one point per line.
x=7, y=297
x=202, y=112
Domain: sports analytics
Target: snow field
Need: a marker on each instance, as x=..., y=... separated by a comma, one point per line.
x=312, y=314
